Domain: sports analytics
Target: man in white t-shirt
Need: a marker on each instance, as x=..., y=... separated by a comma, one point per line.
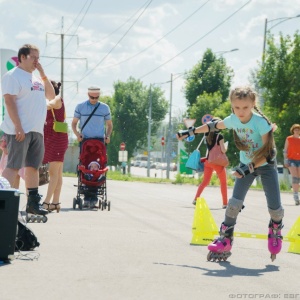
x=25, y=101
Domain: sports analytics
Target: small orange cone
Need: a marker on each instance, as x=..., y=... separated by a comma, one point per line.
x=204, y=226
x=294, y=234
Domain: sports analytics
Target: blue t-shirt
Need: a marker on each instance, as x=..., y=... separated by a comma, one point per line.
x=95, y=127
x=250, y=133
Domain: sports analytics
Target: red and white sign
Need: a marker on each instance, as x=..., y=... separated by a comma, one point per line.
x=189, y=122
x=122, y=146
x=162, y=141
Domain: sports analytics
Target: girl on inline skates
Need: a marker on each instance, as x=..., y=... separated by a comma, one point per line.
x=253, y=136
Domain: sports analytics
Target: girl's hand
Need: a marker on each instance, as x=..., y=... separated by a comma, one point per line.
x=236, y=174
x=180, y=138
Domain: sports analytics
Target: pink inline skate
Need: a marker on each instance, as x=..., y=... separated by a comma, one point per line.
x=274, y=239
x=220, y=248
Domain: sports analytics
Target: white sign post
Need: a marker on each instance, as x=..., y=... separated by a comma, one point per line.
x=123, y=156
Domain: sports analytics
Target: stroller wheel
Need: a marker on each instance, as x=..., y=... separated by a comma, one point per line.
x=74, y=203
x=103, y=205
x=80, y=203
x=108, y=205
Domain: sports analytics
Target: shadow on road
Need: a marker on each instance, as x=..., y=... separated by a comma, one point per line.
x=229, y=270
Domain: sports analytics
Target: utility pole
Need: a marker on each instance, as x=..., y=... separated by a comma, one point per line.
x=169, y=141
x=149, y=131
x=62, y=58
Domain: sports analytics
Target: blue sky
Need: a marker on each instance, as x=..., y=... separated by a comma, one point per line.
x=148, y=40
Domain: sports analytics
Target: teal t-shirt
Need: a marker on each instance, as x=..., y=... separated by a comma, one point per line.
x=250, y=133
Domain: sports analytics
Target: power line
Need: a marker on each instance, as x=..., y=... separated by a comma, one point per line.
x=157, y=41
x=69, y=29
x=89, y=72
x=131, y=17
x=77, y=16
x=80, y=22
x=190, y=46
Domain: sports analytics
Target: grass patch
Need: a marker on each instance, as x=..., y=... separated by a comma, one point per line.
x=180, y=179
x=117, y=175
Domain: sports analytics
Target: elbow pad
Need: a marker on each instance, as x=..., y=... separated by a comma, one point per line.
x=212, y=126
x=186, y=132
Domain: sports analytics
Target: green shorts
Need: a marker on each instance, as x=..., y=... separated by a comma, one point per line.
x=28, y=153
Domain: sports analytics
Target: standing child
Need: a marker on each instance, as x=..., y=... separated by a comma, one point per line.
x=253, y=136
x=291, y=155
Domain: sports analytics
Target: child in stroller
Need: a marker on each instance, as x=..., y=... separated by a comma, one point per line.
x=94, y=166
x=91, y=175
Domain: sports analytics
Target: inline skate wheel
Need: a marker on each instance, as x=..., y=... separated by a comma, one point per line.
x=44, y=219
x=209, y=256
x=273, y=257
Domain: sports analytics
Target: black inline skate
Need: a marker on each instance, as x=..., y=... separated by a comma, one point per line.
x=34, y=210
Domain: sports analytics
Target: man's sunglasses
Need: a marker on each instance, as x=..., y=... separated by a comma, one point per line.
x=94, y=98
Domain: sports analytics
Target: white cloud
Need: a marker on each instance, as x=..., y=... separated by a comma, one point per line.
x=24, y=35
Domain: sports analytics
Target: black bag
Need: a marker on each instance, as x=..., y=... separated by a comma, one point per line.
x=43, y=174
x=26, y=239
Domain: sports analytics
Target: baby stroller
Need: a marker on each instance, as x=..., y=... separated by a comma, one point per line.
x=92, y=184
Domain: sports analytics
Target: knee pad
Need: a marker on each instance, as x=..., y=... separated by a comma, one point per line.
x=233, y=208
x=295, y=180
x=277, y=214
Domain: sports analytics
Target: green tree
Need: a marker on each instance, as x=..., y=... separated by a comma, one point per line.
x=209, y=75
x=279, y=80
x=130, y=109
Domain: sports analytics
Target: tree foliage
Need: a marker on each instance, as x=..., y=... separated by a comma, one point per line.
x=279, y=80
x=130, y=108
x=210, y=75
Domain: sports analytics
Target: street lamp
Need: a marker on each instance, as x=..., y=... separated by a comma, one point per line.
x=223, y=52
x=281, y=20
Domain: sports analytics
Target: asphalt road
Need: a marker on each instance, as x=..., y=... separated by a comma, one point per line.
x=141, y=250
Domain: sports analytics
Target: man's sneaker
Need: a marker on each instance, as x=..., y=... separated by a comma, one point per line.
x=93, y=204
x=86, y=203
x=34, y=206
x=194, y=202
x=224, y=206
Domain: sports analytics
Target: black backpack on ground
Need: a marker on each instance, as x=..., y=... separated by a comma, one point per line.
x=25, y=239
